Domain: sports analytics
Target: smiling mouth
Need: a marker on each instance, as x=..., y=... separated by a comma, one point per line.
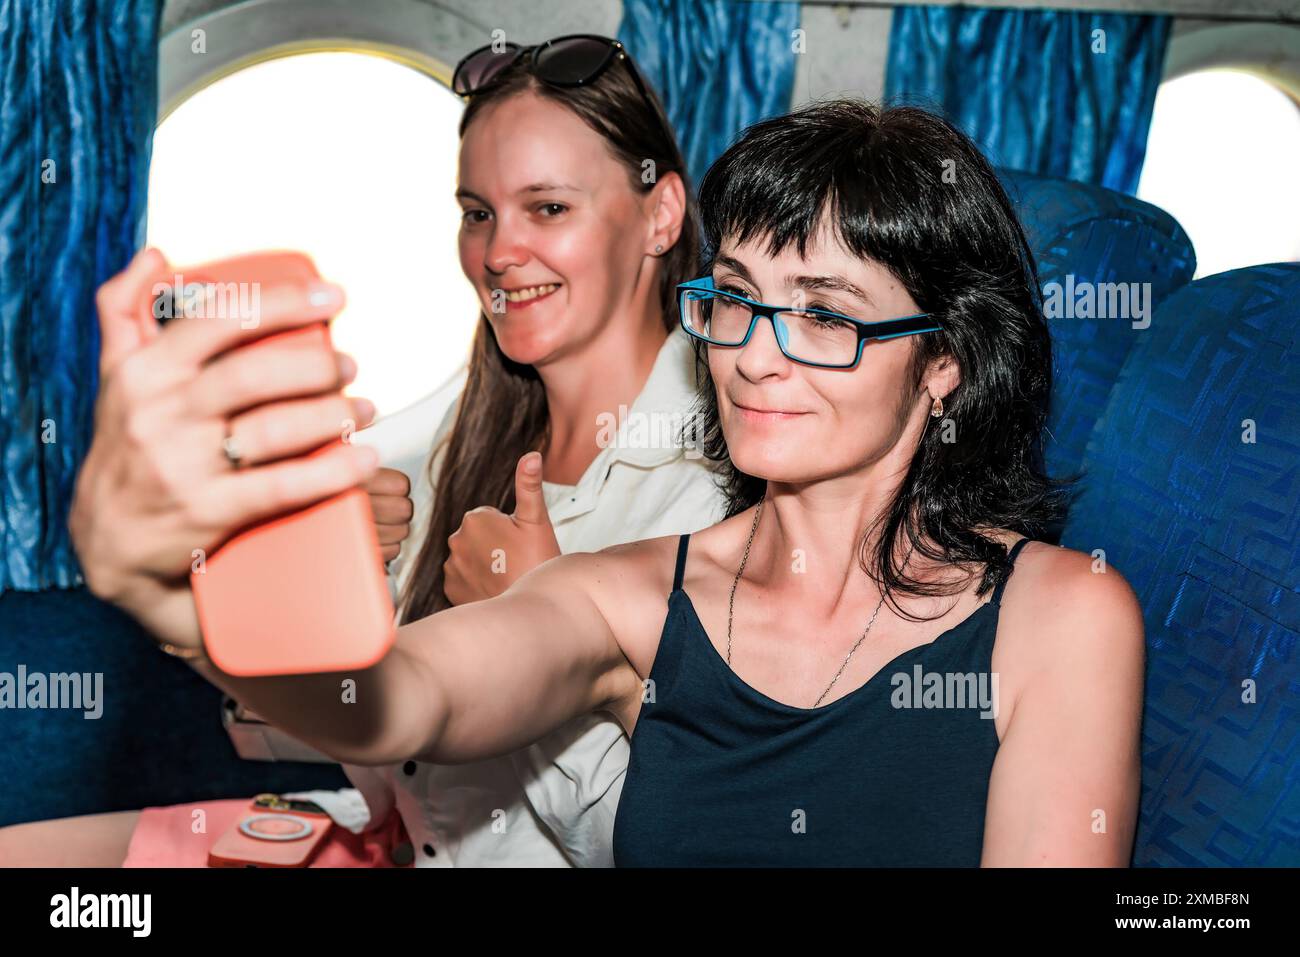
x=530, y=293
x=767, y=415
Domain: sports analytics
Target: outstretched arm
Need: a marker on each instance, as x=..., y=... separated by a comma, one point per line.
x=470, y=682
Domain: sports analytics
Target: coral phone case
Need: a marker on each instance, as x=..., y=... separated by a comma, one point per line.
x=303, y=592
x=271, y=837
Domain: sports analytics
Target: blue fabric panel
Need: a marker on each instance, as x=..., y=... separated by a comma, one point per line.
x=1064, y=93
x=717, y=65
x=158, y=741
x=1194, y=495
x=1093, y=235
x=78, y=101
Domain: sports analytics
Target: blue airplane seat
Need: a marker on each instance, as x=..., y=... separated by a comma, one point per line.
x=1194, y=496
x=158, y=737
x=1082, y=234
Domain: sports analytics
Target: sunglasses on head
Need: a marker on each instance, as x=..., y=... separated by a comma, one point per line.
x=574, y=60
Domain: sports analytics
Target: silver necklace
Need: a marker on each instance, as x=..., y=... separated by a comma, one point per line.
x=731, y=604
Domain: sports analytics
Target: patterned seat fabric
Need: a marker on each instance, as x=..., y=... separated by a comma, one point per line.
x=1083, y=236
x=1194, y=495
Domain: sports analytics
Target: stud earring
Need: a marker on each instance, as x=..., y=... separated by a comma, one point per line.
x=936, y=410
x=659, y=249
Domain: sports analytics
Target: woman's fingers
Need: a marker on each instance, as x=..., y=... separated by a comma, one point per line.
x=391, y=509
x=265, y=372
x=123, y=328
x=245, y=496
x=389, y=482
x=392, y=534
x=276, y=307
x=281, y=429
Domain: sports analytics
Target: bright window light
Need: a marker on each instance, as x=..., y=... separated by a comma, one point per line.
x=351, y=158
x=1222, y=159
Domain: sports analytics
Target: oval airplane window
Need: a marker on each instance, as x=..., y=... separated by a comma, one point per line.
x=350, y=157
x=1221, y=159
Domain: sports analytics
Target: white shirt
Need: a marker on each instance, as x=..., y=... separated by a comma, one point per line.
x=553, y=803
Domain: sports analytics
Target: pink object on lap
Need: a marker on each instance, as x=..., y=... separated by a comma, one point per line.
x=163, y=837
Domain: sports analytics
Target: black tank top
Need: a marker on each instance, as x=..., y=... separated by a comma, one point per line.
x=894, y=773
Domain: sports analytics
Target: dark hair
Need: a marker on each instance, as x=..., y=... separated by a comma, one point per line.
x=503, y=410
x=905, y=188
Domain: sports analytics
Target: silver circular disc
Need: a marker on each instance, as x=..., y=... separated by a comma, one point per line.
x=304, y=827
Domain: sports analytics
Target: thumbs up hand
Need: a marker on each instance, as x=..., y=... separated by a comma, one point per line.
x=491, y=550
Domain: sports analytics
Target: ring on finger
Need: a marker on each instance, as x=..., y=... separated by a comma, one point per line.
x=230, y=447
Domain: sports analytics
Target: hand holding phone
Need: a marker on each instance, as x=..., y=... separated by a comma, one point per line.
x=305, y=591
x=155, y=495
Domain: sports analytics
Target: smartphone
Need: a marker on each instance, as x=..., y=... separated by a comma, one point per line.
x=273, y=832
x=303, y=592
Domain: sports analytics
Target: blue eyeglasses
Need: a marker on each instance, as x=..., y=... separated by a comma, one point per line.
x=812, y=337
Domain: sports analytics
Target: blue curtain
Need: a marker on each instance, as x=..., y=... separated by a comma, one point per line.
x=1066, y=94
x=718, y=66
x=78, y=102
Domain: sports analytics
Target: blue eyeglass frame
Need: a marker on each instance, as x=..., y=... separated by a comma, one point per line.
x=887, y=328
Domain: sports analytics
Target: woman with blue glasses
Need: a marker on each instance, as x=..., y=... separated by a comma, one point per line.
x=846, y=671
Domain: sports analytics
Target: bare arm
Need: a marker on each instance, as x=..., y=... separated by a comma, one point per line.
x=471, y=682
x=1064, y=787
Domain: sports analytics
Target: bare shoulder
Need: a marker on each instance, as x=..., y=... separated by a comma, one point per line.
x=629, y=584
x=1068, y=610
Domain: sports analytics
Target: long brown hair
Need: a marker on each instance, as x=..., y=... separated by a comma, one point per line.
x=503, y=411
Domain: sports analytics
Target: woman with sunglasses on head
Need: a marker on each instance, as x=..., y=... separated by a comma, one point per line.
x=575, y=244
x=870, y=660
